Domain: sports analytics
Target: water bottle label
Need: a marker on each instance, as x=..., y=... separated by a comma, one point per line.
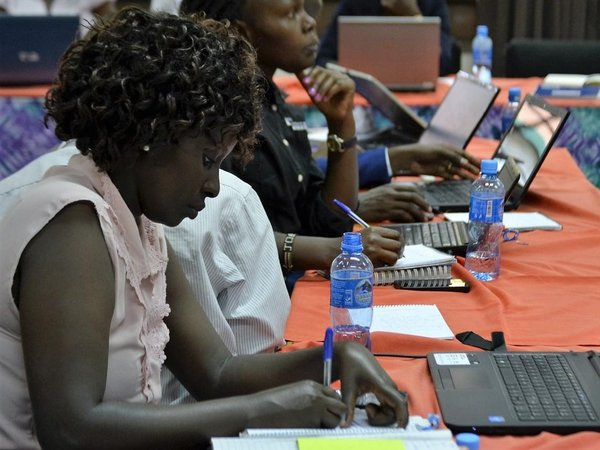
x=486, y=210
x=506, y=122
x=482, y=57
x=351, y=293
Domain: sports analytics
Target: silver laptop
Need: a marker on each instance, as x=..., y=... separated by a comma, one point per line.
x=402, y=52
x=31, y=46
x=454, y=122
x=528, y=140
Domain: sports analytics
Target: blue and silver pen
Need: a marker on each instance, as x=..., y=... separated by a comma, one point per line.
x=351, y=213
x=327, y=356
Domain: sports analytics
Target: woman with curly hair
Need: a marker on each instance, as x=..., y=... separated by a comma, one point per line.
x=92, y=299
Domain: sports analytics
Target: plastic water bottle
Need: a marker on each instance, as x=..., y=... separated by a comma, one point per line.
x=485, y=223
x=351, y=299
x=482, y=54
x=509, y=111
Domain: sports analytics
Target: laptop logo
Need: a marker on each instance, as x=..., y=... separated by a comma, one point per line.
x=28, y=57
x=496, y=419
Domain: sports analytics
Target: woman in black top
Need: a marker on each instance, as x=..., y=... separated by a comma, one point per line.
x=297, y=196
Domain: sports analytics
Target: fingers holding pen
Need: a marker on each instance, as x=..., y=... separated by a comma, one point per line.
x=383, y=246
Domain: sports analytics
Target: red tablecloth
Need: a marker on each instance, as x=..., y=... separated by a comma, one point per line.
x=297, y=94
x=547, y=296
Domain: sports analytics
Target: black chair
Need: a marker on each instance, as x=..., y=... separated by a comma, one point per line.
x=539, y=57
x=456, y=54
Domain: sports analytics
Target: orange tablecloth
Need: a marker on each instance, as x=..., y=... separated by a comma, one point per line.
x=547, y=296
x=297, y=94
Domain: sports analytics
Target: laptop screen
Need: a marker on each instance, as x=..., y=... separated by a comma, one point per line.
x=401, y=52
x=31, y=46
x=461, y=111
x=530, y=137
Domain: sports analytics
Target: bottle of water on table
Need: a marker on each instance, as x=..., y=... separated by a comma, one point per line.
x=485, y=223
x=482, y=54
x=510, y=110
x=351, y=299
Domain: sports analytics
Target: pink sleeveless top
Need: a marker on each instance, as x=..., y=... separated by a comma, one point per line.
x=138, y=334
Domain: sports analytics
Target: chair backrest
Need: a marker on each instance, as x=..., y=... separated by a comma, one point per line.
x=539, y=57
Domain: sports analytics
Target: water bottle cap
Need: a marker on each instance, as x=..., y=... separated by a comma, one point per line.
x=469, y=440
x=514, y=94
x=489, y=166
x=352, y=242
x=482, y=30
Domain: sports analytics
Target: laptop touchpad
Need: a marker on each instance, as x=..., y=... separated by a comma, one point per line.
x=470, y=378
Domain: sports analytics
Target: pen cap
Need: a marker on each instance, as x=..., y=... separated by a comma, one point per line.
x=352, y=243
x=469, y=441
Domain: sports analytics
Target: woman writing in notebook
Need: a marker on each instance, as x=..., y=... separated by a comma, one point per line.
x=93, y=300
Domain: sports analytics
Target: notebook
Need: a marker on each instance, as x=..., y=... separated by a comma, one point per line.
x=419, y=265
x=528, y=141
x=454, y=122
x=416, y=320
x=517, y=392
x=31, y=46
x=402, y=52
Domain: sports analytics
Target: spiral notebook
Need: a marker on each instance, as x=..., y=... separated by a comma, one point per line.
x=417, y=435
x=419, y=266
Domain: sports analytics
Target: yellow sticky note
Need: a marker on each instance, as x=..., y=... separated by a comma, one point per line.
x=318, y=443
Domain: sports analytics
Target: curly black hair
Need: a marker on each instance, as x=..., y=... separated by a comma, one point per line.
x=215, y=9
x=144, y=78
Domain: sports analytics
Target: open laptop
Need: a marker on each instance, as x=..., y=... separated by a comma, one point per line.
x=454, y=122
x=31, y=46
x=402, y=52
x=517, y=392
x=452, y=237
x=528, y=140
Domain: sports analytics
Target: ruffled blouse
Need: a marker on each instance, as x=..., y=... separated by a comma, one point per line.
x=138, y=334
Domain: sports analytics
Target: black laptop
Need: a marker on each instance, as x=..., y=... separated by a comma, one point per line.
x=517, y=392
x=31, y=47
x=454, y=122
x=452, y=237
x=533, y=131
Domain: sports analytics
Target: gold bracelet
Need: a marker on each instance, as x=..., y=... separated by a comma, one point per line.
x=288, y=245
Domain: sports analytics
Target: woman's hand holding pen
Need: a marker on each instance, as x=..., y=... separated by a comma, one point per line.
x=333, y=93
x=383, y=246
x=360, y=373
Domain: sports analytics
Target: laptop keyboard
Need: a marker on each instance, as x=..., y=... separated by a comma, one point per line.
x=448, y=192
x=435, y=234
x=543, y=387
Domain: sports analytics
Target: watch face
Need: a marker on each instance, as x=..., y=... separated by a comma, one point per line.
x=334, y=143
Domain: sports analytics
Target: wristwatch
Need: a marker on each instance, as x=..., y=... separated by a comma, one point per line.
x=337, y=144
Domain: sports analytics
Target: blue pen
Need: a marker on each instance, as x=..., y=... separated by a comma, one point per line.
x=327, y=356
x=351, y=213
